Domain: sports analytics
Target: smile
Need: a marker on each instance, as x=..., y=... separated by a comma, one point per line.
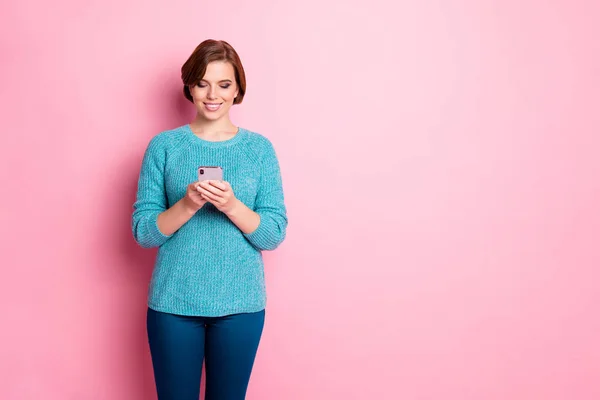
x=212, y=106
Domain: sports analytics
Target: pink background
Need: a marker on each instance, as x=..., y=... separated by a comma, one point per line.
x=441, y=170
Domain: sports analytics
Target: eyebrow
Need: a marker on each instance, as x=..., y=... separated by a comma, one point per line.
x=221, y=81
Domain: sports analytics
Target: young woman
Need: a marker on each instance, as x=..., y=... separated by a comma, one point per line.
x=206, y=299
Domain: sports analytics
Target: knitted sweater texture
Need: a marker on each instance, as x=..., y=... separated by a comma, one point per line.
x=209, y=267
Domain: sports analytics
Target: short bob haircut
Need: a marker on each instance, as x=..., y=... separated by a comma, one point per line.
x=210, y=50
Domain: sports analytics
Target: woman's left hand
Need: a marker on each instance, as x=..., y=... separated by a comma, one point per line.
x=219, y=194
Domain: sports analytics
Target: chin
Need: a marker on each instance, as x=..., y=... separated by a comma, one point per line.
x=212, y=116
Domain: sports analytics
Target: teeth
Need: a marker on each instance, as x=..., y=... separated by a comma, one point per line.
x=212, y=106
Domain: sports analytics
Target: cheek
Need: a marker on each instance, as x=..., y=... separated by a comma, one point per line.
x=196, y=93
x=229, y=96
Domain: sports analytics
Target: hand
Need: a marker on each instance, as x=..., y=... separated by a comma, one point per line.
x=193, y=200
x=219, y=194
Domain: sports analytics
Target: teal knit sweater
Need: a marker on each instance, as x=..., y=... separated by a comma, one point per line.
x=209, y=267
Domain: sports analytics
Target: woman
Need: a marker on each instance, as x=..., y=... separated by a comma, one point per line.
x=207, y=298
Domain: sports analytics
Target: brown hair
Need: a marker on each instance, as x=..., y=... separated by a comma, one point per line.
x=208, y=51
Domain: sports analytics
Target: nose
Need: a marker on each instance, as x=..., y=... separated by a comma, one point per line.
x=211, y=92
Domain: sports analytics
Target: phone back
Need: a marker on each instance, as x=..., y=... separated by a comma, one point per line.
x=213, y=173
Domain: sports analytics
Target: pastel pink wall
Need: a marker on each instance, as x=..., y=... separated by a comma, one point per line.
x=441, y=169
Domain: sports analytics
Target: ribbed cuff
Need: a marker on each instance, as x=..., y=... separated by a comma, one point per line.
x=154, y=237
x=263, y=237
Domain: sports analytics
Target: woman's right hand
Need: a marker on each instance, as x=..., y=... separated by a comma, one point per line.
x=193, y=199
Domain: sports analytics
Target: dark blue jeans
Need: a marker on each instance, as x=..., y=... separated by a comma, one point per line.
x=179, y=344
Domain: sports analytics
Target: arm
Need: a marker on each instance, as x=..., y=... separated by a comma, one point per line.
x=266, y=226
x=243, y=217
x=171, y=220
x=151, y=199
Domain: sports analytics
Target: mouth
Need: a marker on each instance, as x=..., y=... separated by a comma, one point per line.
x=212, y=106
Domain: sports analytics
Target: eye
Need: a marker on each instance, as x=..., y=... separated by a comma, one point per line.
x=224, y=86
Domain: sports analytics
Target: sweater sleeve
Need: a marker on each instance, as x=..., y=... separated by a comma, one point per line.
x=269, y=205
x=151, y=198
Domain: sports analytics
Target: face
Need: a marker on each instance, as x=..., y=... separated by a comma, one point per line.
x=214, y=94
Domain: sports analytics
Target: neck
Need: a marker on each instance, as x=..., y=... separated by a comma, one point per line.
x=207, y=128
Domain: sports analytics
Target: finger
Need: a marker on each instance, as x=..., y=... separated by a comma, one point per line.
x=210, y=196
x=209, y=187
x=195, y=185
x=219, y=184
x=204, y=198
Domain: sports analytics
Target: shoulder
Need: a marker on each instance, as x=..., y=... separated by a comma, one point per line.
x=259, y=144
x=166, y=140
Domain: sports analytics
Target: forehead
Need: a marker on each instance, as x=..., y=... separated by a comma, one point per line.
x=218, y=70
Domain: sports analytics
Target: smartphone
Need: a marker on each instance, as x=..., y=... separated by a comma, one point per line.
x=212, y=173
